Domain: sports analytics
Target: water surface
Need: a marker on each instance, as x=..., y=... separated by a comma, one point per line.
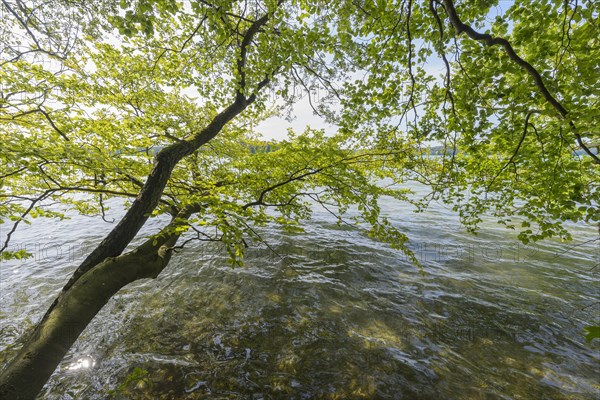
x=332, y=315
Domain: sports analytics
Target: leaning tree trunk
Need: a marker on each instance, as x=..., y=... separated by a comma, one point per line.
x=102, y=273
x=36, y=361
x=105, y=271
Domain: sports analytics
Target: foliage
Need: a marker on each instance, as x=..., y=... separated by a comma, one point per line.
x=507, y=151
x=111, y=106
x=138, y=378
x=592, y=332
x=91, y=122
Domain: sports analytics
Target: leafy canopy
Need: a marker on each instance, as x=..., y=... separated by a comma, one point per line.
x=84, y=114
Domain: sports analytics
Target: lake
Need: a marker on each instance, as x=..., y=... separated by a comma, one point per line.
x=327, y=313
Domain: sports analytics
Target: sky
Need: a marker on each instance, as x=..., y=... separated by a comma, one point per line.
x=275, y=128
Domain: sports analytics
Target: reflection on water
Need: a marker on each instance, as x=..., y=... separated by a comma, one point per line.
x=333, y=315
x=83, y=363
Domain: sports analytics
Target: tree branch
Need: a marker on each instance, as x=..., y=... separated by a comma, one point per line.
x=461, y=27
x=30, y=33
x=529, y=114
x=22, y=217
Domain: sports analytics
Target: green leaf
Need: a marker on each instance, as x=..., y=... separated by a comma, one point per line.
x=592, y=332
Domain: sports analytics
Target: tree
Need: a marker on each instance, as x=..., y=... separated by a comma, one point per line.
x=153, y=105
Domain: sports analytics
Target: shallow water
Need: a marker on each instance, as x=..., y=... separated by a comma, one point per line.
x=331, y=315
